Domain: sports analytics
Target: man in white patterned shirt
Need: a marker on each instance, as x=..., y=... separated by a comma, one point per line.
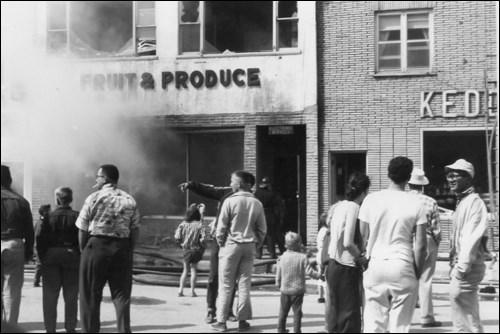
x=416, y=184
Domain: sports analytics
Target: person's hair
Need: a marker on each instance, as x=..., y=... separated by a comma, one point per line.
x=322, y=220
x=64, y=195
x=293, y=241
x=358, y=183
x=416, y=186
x=246, y=177
x=192, y=213
x=44, y=209
x=400, y=169
x=6, y=177
x=111, y=172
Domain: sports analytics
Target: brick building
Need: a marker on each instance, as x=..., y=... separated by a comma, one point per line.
x=168, y=91
x=405, y=78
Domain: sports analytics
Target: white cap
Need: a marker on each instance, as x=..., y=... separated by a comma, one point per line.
x=418, y=177
x=461, y=164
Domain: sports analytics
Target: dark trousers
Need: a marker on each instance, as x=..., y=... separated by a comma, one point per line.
x=60, y=270
x=295, y=303
x=213, y=281
x=273, y=238
x=105, y=260
x=38, y=271
x=345, y=296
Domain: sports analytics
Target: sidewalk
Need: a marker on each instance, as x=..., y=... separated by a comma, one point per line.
x=157, y=309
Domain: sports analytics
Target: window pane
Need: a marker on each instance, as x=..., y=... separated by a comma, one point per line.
x=238, y=26
x=387, y=64
x=101, y=28
x=145, y=4
x=287, y=9
x=57, y=40
x=392, y=35
x=417, y=21
x=146, y=41
x=146, y=17
x=418, y=54
x=418, y=34
x=288, y=34
x=190, y=11
x=388, y=50
x=190, y=37
x=57, y=15
x=389, y=22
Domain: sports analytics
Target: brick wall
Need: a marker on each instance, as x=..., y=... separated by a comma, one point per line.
x=359, y=110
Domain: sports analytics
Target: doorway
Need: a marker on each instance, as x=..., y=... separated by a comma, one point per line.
x=281, y=157
x=342, y=165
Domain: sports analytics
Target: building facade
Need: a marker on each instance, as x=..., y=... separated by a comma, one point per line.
x=406, y=78
x=169, y=92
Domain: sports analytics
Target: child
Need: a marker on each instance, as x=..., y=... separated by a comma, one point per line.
x=191, y=236
x=291, y=279
x=43, y=211
x=322, y=232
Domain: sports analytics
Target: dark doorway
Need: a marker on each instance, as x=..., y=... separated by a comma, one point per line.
x=342, y=165
x=281, y=157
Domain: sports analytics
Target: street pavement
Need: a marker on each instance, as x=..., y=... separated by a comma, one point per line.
x=157, y=309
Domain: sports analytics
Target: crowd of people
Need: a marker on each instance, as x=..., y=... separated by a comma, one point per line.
x=376, y=255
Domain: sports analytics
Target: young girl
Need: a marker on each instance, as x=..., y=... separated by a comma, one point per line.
x=191, y=236
x=322, y=232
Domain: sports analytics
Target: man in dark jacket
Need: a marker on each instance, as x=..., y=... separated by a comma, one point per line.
x=58, y=250
x=17, y=247
x=271, y=203
x=220, y=194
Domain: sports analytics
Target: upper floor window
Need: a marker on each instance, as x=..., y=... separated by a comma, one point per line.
x=404, y=42
x=102, y=28
x=213, y=27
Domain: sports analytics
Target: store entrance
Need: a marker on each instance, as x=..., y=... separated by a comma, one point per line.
x=342, y=165
x=281, y=157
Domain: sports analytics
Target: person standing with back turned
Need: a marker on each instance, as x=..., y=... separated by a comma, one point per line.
x=109, y=229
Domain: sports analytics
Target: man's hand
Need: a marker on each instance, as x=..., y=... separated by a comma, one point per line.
x=183, y=186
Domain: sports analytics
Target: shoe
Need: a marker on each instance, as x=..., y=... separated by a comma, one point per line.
x=210, y=319
x=231, y=317
x=219, y=327
x=417, y=306
x=432, y=324
x=36, y=285
x=180, y=294
x=243, y=326
x=321, y=300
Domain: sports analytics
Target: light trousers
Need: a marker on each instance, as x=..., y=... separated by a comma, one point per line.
x=12, y=279
x=465, y=300
x=425, y=283
x=235, y=265
x=390, y=296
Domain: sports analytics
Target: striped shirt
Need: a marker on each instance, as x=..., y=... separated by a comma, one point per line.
x=109, y=212
x=191, y=235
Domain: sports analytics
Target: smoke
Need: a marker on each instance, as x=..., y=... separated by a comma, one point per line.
x=60, y=132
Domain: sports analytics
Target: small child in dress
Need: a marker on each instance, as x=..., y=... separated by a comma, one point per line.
x=191, y=236
x=292, y=267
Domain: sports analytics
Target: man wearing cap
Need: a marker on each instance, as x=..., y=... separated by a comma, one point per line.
x=416, y=184
x=271, y=203
x=17, y=247
x=467, y=253
x=108, y=231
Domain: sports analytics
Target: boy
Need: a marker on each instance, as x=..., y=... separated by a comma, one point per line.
x=291, y=280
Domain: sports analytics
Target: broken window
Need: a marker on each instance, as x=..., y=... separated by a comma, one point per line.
x=102, y=28
x=213, y=27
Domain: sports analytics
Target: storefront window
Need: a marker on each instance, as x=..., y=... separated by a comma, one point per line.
x=443, y=148
x=102, y=28
x=218, y=27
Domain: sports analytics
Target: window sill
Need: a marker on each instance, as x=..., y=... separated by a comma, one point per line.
x=404, y=74
x=242, y=54
x=115, y=59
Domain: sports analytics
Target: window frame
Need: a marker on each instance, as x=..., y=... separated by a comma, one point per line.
x=67, y=48
x=275, y=38
x=403, y=19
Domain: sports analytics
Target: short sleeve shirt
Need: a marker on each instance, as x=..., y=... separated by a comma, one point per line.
x=392, y=217
x=109, y=212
